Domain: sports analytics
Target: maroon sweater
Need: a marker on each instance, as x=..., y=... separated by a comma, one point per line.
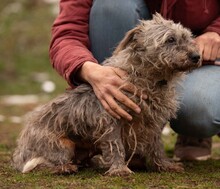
x=69, y=47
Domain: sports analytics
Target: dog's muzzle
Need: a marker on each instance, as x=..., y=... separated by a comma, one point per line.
x=194, y=57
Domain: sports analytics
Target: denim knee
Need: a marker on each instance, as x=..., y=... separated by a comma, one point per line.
x=135, y=9
x=199, y=114
x=201, y=125
x=110, y=20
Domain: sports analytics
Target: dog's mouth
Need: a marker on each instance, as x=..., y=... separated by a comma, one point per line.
x=188, y=66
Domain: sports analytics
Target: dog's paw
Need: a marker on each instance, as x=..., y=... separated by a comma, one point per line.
x=174, y=167
x=98, y=162
x=66, y=169
x=119, y=171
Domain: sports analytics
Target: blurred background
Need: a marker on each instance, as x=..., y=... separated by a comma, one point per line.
x=27, y=78
x=25, y=29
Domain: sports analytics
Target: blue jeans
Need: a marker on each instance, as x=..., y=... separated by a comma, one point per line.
x=110, y=20
x=199, y=114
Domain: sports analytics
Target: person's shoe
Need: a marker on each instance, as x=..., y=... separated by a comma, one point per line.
x=191, y=149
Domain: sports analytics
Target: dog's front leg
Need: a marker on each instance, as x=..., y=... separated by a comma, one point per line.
x=156, y=157
x=113, y=154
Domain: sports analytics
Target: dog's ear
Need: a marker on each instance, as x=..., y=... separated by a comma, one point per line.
x=129, y=37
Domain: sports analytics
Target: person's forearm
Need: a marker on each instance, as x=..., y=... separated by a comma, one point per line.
x=67, y=58
x=69, y=48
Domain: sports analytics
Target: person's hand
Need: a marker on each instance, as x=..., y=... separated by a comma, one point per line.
x=209, y=46
x=105, y=82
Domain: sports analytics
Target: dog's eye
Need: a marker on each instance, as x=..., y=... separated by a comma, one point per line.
x=171, y=40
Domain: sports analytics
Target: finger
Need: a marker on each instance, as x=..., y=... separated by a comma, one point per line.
x=133, y=89
x=108, y=109
x=129, y=87
x=121, y=73
x=101, y=98
x=214, y=52
x=122, y=98
x=117, y=109
x=217, y=62
x=207, y=52
x=200, y=46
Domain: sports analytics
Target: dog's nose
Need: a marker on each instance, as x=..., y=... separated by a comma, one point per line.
x=194, y=57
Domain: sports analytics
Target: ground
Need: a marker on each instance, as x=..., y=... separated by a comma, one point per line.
x=197, y=174
x=25, y=71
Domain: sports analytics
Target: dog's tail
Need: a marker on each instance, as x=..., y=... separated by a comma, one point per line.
x=25, y=166
x=31, y=164
x=18, y=160
x=37, y=136
x=25, y=157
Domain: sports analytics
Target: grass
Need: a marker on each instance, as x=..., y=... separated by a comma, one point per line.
x=197, y=175
x=25, y=34
x=25, y=37
x=90, y=179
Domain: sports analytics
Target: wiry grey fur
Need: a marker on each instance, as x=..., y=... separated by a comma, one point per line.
x=154, y=54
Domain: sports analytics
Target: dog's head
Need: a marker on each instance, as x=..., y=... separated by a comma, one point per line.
x=163, y=44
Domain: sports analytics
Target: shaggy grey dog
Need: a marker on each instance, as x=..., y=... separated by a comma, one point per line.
x=74, y=127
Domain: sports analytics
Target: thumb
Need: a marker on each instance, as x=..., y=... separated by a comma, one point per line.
x=217, y=62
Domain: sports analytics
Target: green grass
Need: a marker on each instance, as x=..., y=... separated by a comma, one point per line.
x=25, y=37
x=197, y=175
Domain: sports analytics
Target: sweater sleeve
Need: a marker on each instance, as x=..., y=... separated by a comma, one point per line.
x=214, y=26
x=69, y=47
